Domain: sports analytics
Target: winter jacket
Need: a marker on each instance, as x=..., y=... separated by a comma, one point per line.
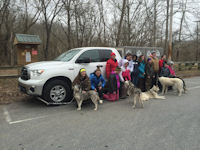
x=172, y=72
x=165, y=72
x=110, y=66
x=149, y=70
x=95, y=81
x=141, y=69
x=161, y=64
x=135, y=68
x=130, y=64
x=126, y=75
x=125, y=71
x=155, y=63
x=84, y=82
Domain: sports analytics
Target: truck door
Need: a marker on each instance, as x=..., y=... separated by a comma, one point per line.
x=88, y=60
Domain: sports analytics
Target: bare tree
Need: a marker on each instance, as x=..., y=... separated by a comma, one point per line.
x=167, y=27
x=30, y=17
x=50, y=10
x=154, y=23
x=68, y=8
x=4, y=8
x=184, y=6
x=120, y=22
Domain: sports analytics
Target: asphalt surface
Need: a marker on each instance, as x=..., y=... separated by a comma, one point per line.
x=171, y=124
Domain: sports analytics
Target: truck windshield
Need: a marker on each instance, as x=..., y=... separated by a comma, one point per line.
x=67, y=56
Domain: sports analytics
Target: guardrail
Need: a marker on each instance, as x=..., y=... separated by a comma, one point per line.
x=10, y=72
x=187, y=65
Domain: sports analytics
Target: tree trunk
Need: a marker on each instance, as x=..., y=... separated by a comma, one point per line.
x=167, y=27
x=120, y=23
x=154, y=23
x=128, y=24
x=181, y=23
x=48, y=34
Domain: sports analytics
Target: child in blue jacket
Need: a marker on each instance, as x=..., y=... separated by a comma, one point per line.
x=97, y=82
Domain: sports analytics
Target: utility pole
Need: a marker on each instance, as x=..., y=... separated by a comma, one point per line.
x=170, y=32
x=197, y=50
x=154, y=23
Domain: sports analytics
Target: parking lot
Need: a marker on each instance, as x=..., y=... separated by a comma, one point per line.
x=171, y=124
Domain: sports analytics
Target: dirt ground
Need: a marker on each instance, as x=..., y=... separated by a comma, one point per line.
x=9, y=91
x=8, y=72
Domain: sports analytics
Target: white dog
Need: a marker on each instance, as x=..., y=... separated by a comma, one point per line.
x=175, y=82
x=152, y=93
x=80, y=97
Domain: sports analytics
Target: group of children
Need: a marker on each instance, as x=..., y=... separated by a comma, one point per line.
x=142, y=72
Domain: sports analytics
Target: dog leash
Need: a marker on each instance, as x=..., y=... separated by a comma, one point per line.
x=70, y=101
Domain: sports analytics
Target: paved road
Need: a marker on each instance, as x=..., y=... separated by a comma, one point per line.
x=171, y=124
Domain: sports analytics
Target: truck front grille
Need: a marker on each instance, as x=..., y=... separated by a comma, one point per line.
x=24, y=74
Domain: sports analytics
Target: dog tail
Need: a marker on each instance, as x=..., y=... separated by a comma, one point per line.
x=184, y=85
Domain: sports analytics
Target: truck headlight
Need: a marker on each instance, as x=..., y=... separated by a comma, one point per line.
x=36, y=73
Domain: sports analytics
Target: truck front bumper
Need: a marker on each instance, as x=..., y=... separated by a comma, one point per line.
x=31, y=87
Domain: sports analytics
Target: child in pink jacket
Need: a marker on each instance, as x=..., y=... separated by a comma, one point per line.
x=125, y=71
x=171, y=69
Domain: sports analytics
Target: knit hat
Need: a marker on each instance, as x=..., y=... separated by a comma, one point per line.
x=112, y=54
x=148, y=59
x=125, y=61
x=170, y=62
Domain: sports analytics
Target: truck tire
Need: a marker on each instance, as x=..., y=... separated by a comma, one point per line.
x=57, y=92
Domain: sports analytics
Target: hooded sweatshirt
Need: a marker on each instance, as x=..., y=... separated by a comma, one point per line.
x=125, y=71
x=130, y=64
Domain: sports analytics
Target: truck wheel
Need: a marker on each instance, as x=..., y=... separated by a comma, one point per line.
x=57, y=91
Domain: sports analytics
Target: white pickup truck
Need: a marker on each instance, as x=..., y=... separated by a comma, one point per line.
x=52, y=80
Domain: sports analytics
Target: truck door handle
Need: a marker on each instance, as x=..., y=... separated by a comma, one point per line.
x=71, y=69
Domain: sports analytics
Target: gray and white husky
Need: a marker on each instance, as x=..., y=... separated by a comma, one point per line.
x=135, y=92
x=80, y=97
